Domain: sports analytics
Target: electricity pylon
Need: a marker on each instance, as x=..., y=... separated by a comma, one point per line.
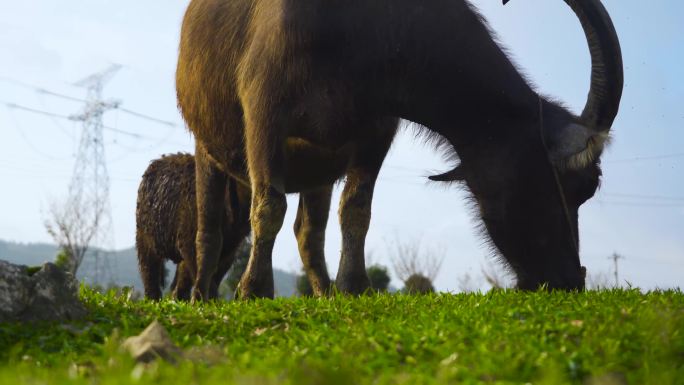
x=615, y=257
x=89, y=184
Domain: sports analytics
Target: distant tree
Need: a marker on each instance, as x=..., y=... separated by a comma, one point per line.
x=379, y=277
x=418, y=284
x=63, y=259
x=598, y=281
x=495, y=277
x=416, y=268
x=493, y=274
x=74, y=225
x=467, y=284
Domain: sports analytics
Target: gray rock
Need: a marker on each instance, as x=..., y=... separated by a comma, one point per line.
x=51, y=294
x=154, y=342
x=14, y=289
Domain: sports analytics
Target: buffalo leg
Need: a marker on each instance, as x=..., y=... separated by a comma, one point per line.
x=210, y=187
x=264, y=150
x=355, y=213
x=355, y=207
x=267, y=214
x=309, y=228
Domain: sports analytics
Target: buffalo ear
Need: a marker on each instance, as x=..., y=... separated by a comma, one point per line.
x=575, y=145
x=454, y=175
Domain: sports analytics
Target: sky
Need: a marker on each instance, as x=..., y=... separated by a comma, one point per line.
x=638, y=212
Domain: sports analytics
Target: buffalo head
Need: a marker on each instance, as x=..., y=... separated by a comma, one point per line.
x=530, y=183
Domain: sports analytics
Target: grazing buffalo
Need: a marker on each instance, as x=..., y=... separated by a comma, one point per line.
x=166, y=225
x=254, y=75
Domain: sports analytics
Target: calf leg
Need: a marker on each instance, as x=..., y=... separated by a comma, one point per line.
x=183, y=282
x=210, y=189
x=152, y=273
x=309, y=228
x=230, y=246
x=221, y=270
x=235, y=230
x=186, y=269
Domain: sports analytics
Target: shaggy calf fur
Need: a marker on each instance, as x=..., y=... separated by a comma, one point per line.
x=166, y=225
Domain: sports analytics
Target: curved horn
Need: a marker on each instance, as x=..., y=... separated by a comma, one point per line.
x=606, y=64
x=450, y=176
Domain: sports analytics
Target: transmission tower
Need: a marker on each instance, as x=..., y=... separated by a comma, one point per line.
x=615, y=257
x=89, y=186
x=90, y=180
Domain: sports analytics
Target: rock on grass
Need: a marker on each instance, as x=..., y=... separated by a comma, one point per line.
x=154, y=342
x=48, y=294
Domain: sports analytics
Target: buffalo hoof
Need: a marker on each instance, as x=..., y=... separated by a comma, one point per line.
x=352, y=283
x=197, y=296
x=255, y=288
x=566, y=283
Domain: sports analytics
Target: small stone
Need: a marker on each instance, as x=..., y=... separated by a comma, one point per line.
x=154, y=342
x=577, y=323
x=449, y=360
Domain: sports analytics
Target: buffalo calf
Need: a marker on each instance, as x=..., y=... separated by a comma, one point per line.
x=166, y=225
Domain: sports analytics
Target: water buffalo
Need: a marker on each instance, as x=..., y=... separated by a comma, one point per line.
x=253, y=74
x=166, y=225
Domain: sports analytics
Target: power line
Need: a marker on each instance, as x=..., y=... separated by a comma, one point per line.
x=150, y=118
x=56, y=122
x=29, y=143
x=51, y=93
x=394, y=180
x=646, y=205
x=166, y=139
x=403, y=168
x=639, y=200
x=644, y=196
x=44, y=91
x=35, y=111
x=31, y=174
x=73, y=118
x=647, y=158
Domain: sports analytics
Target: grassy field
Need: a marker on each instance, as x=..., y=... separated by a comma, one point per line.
x=606, y=337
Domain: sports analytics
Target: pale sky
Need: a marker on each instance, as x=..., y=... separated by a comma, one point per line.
x=639, y=211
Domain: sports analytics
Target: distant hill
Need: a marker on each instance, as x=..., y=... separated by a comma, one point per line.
x=121, y=266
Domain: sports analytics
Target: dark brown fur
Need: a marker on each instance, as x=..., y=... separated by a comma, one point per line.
x=254, y=73
x=166, y=225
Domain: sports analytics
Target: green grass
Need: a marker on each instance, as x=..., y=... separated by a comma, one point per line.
x=498, y=337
